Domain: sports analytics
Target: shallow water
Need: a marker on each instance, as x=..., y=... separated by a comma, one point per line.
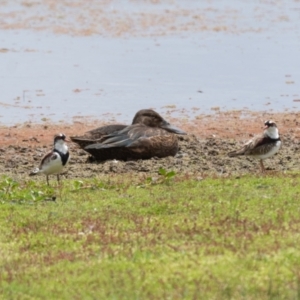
x=245, y=56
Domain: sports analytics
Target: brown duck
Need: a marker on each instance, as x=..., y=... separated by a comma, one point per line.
x=149, y=135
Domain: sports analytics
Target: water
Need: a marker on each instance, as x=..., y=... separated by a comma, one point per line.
x=247, y=56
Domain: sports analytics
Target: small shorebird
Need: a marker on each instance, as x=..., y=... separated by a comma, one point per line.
x=261, y=146
x=54, y=161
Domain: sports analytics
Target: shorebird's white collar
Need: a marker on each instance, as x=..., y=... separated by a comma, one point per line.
x=272, y=132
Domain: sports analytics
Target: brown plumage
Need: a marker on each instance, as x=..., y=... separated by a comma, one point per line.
x=95, y=135
x=147, y=117
x=150, y=135
x=261, y=146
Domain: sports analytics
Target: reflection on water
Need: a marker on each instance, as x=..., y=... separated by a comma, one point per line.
x=251, y=62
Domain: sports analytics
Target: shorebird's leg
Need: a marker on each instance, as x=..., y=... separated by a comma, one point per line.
x=47, y=179
x=58, y=179
x=262, y=166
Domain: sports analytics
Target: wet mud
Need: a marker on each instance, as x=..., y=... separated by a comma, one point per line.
x=203, y=152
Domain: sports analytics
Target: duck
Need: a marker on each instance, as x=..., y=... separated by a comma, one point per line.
x=261, y=146
x=149, y=135
x=55, y=160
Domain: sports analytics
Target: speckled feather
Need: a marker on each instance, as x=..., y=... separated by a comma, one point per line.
x=261, y=146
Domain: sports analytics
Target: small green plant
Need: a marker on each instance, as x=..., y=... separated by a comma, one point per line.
x=77, y=185
x=23, y=192
x=166, y=175
x=94, y=184
x=164, y=178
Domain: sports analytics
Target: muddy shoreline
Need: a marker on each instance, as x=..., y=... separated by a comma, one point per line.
x=202, y=152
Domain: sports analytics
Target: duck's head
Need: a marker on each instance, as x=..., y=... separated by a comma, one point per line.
x=151, y=118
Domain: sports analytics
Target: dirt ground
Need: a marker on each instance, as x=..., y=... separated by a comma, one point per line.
x=202, y=152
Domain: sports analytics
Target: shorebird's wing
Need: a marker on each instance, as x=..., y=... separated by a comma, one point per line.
x=48, y=158
x=261, y=146
x=252, y=146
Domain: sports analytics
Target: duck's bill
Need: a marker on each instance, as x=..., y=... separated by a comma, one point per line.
x=173, y=129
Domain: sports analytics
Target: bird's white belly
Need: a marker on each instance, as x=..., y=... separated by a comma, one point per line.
x=53, y=167
x=272, y=151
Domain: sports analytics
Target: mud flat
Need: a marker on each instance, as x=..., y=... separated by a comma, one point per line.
x=203, y=152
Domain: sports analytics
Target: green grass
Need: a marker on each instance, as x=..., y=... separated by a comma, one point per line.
x=170, y=237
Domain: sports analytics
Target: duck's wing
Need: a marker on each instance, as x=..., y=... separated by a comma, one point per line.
x=257, y=145
x=98, y=133
x=131, y=136
x=95, y=135
x=105, y=130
